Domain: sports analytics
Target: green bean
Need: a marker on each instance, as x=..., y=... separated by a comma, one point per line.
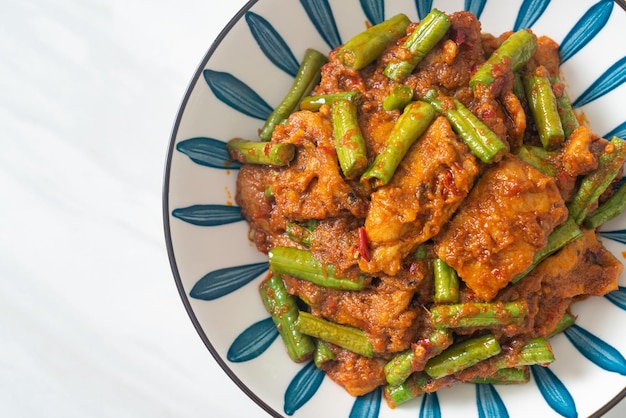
x=408, y=128
x=446, y=282
x=478, y=314
x=399, y=96
x=505, y=376
x=536, y=351
x=258, y=152
x=609, y=209
x=411, y=388
x=309, y=74
x=569, y=121
x=517, y=49
x=313, y=103
x=463, y=355
x=543, y=106
x=322, y=354
x=595, y=184
x=301, y=264
x=350, y=338
x=300, y=233
x=349, y=141
x=420, y=42
x=539, y=158
x=481, y=140
x=284, y=312
x=365, y=47
x=559, y=237
x=566, y=321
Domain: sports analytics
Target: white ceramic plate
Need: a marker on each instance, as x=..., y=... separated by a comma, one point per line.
x=246, y=72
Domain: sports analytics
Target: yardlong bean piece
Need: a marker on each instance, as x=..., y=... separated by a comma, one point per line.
x=505, y=376
x=322, y=354
x=399, y=96
x=463, y=355
x=409, y=127
x=307, y=77
x=301, y=233
x=313, y=103
x=515, y=51
x=411, y=388
x=365, y=47
x=349, y=141
x=260, y=152
x=301, y=264
x=446, y=282
x=569, y=121
x=350, y=338
x=543, y=106
x=608, y=210
x=419, y=43
x=478, y=314
x=539, y=158
x=481, y=140
x=596, y=183
x=284, y=312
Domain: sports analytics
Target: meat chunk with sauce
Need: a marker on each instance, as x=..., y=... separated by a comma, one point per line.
x=505, y=220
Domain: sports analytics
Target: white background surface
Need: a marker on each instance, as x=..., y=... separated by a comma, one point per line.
x=91, y=324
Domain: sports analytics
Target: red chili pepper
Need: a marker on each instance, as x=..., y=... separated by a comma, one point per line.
x=364, y=248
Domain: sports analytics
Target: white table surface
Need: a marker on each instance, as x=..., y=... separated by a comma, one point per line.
x=91, y=324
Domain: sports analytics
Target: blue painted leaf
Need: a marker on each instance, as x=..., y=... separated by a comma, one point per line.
x=221, y=282
x=475, y=6
x=253, y=341
x=529, y=13
x=597, y=351
x=321, y=16
x=618, y=297
x=208, y=152
x=489, y=403
x=585, y=29
x=554, y=391
x=237, y=94
x=367, y=406
x=208, y=215
x=374, y=10
x=609, y=80
x=430, y=406
x=619, y=235
x=272, y=44
x=423, y=7
x=302, y=387
x=619, y=131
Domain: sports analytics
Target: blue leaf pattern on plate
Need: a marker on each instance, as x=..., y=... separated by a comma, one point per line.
x=554, y=391
x=302, y=387
x=489, y=403
x=221, y=282
x=374, y=10
x=618, y=297
x=423, y=7
x=619, y=235
x=321, y=16
x=609, y=80
x=237, y=94
x=529, y=13
x=272, y=44
x=208, y=215
x=208, y=152
x=253, y=341
x=475, y=6
x=597, y=351
x=430, y=406
x=619, y=131
x=585, y=29
x=367, y=406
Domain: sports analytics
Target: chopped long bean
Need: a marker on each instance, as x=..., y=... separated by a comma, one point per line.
x=301, y=233
x=350, y=338
x=411, y=388
x=308, y=76
x=566, y=321
x=301, y=264
x=596, y=183
x=349, y=141
x=462, y=356
x=505, y=376
x=419, y=43
x=569, y=121
x=284, y=312
x=446, y=282
x=259, y=152
x=478, y=314
x=366, y=46
x=543, y=106
x=399, y=96
x=313, y=103
x=322, y=354
x=609, y=209
x=540, y=158
x=481, y=140
x=515, y=51
x=408, y=128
